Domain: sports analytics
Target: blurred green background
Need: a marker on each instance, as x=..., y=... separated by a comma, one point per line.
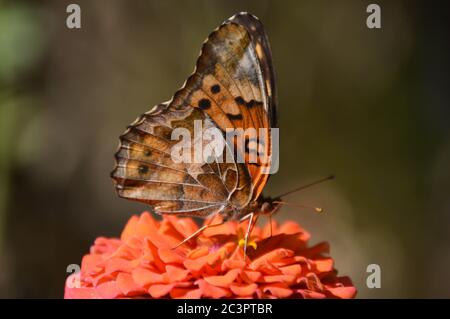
x=371, y=106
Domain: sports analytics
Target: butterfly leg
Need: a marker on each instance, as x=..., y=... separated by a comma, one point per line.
x=196, y=233
x=270, y=221
x=250, y=226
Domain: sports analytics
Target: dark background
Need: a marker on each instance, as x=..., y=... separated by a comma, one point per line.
x=371, y=106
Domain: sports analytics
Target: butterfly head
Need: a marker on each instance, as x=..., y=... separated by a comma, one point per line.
x=268, y=205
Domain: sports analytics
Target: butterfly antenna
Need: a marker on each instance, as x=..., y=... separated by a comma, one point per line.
x=316, y=209
x=306, y=186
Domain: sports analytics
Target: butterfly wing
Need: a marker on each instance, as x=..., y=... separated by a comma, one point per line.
x=231, y=87
x=146, y=170
x=234, y=84
x=260, y=43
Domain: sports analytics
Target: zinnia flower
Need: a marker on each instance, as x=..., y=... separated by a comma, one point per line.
x=142, y=263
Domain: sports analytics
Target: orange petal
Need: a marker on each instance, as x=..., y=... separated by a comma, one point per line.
x=273, y=255
x=265, y=233
x=243, y=290
x=261, y=295
x=174, y=274
x=104, y=245
x=290, y=227
x=185, y=293
x=126, y=252
x=233, y=264
x=212, y=291
x=308, y=294
x=287, y=279
x=222, y=253
x=324, y=265
x=343, y=292
x=160, y=290
x=151, y=255
x=100, y=279
x=127, y=286
x=81, y=293
x=196, y=264
x=228, y=228
x=144, y=277
x=146, y=226
x=257, y=233
x=278, y=290
x=225, y=280
x=269, y=269
x=134, y=243
x=198, y=252
x=210, y=259
x=118, y=264
x=185, y=226
x=108, y=290
x=170, y=232
x=303, y=260
x=72, y=292
x=210, y=271
x=294, y=270
x=312, y=282
x=130, y=228
x=321, y=248
x=91, y=264
x=170, y=256
x=249, y=276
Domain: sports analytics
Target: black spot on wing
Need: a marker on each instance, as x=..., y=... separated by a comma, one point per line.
x=143, y=169
x=215, y=89
x=252, y=103
x=204, y=104
x=239, y=100
x=234, y=116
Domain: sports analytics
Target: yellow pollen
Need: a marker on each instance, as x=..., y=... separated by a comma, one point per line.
x=250, y=243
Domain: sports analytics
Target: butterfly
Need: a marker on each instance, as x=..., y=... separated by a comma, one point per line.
x=232, y=87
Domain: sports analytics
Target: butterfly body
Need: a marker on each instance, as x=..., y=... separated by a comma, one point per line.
x=232, y=88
